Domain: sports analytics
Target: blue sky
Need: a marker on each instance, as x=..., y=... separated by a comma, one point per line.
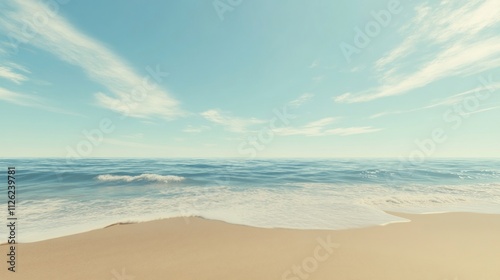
x=239, y=78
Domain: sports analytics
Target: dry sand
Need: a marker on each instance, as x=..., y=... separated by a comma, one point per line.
x=452, y=246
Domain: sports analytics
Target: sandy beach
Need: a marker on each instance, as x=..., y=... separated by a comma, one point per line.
x=451, y=246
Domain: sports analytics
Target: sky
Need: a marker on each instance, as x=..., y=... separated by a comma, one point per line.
x=250, y=79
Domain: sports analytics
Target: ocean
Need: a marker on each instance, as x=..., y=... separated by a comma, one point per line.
x=57, y=198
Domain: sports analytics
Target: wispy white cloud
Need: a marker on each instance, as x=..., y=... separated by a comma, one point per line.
x=385, y=113
x=195, y=129
x=443, y=23
x=452, y=38
x=65, y=41
x=356, y=69
x=345, y=131
x=17, y=66
x=322, y=127
x=31, y=101
x=229, y=122
x=483, y=110
x=301, y=100
x=11, y=75
x=448, y=101
x=242, y=125
x=19, y=98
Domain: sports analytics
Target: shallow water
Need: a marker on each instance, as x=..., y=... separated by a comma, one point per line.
x=56, y=197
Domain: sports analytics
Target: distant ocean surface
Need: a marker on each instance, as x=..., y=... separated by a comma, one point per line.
x=57, y=198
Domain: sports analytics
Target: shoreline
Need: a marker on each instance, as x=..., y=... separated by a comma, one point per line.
x=401, y=215
x=431, y=246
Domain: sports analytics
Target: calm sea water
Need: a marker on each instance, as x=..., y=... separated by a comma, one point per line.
x=57, y=198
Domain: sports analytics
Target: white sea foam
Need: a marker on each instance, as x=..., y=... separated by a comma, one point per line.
x=142, y=177
x=314, y=206
x=423, y=200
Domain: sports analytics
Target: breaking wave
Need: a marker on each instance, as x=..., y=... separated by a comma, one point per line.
x=142, y=177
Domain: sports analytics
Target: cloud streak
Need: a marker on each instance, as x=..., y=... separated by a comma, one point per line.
x=231, y=123
x=11, y=75
x=300, y=100
x=195, y=129
x=450, y=39
x=59, y=37
x=31, y=101
x=321, y=128
x=448, y=101
x=18, y=98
